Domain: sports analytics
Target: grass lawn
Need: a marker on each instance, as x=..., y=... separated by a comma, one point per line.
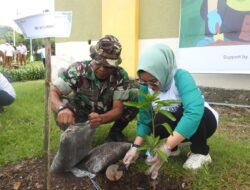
x=22, y=133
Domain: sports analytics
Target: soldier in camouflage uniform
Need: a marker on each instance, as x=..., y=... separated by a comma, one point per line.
x=95, y=91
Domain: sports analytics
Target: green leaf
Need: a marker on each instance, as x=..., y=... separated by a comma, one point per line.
x=143, y=147
x=133, y=104
x=168, y=102
x=156, y=140
x=168, y=128
x=141, y=93
x=148, y=97
x=168, y=114
x=158, y=107
x=146, y=103
x=162, y=141
x=162, y=155
x=150, y=140
x=154, y=97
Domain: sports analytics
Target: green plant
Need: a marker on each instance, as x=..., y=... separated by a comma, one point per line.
x=151, y=142
x=34, y=71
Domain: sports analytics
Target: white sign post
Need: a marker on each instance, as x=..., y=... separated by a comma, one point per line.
x=46, y=25
x=51, y=24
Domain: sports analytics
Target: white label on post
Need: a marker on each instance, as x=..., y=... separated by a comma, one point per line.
x=52, y=24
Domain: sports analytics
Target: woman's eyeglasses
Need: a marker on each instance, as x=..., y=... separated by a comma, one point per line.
x=152, y=83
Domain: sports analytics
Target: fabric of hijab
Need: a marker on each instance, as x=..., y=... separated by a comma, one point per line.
x=159, y=61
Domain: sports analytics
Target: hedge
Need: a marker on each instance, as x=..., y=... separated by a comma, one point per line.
x=32, y=71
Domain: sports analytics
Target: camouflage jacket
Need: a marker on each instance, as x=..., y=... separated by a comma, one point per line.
x=86, y=93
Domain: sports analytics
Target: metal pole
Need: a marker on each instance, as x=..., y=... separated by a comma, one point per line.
x=47, y=128
x=31, y=51
x=14, y=36
x=14, y=30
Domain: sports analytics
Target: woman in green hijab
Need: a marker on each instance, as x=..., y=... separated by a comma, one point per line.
x=195, y=119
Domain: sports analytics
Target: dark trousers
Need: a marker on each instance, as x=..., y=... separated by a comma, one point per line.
x=44, y=63
x=5, y=98
x=129, y=113
x=206, y=129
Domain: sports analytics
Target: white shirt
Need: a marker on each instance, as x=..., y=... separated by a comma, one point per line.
x=22, y=49
x=41, y=52
x=3, y=48
x=10, y=51
x=6, y=86
x=173, y=94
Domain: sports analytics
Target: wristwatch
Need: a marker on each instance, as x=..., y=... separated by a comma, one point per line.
x=135, y=145
x=61, y=107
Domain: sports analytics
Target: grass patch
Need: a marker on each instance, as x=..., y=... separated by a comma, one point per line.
x=21, y=127
x=22, y=133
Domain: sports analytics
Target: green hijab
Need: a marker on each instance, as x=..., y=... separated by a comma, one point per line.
x=159, y=61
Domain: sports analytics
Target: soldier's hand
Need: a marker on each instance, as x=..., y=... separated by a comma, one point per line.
x=66, y=117
x=95, y=120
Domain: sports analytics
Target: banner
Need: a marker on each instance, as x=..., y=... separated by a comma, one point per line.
x=51, y=24
x=215, y=36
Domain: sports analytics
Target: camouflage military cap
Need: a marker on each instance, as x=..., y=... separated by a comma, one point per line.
x=107, y=51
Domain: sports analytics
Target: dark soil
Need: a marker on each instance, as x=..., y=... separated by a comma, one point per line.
x=29, y=174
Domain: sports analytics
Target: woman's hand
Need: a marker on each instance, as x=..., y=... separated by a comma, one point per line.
x=156, y=162
x=130, y=156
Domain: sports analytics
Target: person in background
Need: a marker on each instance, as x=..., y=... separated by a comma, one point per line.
x=23, y=54
x=95, y=91
x=7, y=93
x=41, y=51
x=2, y=53
x=195, y=121
x=9, y=55
x=18, y=54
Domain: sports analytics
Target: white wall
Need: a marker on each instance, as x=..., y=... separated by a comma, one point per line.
x=226, y=81
x=69, y=52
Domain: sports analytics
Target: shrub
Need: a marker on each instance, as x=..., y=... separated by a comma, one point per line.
x=34, y=71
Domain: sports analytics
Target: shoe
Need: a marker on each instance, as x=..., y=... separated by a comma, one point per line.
x=117, y=137
x=196, y=161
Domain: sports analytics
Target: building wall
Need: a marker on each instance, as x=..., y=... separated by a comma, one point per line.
x=159, y=19
x=158, y=22
x=121, y=19
x=87, y=19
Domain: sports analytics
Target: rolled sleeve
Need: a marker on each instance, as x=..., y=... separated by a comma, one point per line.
x=63, y=86
x=121, y=95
